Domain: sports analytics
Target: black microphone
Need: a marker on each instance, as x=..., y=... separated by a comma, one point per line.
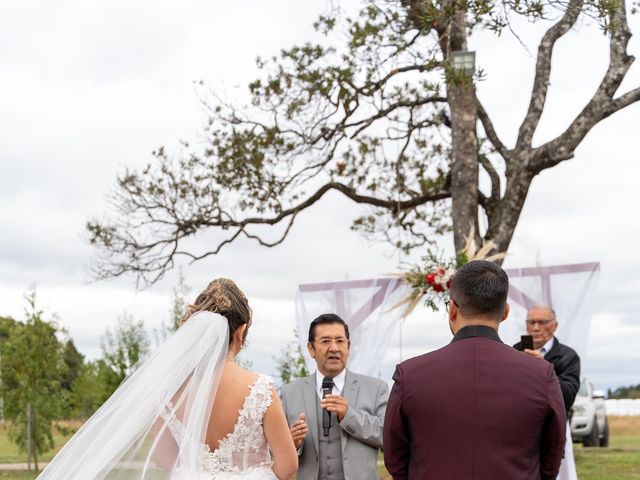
x=327, y=388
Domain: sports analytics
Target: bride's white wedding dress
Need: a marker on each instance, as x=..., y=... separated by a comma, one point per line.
x=136, y=434
x=243, y=453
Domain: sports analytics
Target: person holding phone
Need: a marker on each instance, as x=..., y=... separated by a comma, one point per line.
x=541, y=327
x=542, y=324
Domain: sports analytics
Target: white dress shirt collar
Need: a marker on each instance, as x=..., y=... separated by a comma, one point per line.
x=546, y=347
x=338, y=383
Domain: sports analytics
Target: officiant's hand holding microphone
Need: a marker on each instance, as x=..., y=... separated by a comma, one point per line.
x=331, y=404
x=335, y=404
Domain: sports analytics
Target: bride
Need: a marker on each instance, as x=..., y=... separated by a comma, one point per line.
x=188, y=412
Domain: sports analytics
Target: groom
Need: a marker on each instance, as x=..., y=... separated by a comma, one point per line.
x=476, y=408
x=335, y=415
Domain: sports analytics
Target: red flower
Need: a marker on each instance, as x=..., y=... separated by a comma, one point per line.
x=438, y=288
x=430, y=278
x=449, y=284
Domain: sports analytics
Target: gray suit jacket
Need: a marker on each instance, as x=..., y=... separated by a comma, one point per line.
x=360, y=429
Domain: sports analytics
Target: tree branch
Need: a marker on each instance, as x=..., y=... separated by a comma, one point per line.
x=625, y=100
x=493, y=175
x=389, y=204
x=601, y=104
x=543, y=71
x=491, y=132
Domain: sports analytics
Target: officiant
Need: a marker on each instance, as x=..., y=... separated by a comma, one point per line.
x=335, y=415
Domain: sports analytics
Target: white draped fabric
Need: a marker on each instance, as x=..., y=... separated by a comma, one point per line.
x=368, y=308
x=569, y=289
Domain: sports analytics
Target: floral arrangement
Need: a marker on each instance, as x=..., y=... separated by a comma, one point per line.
x=431, y=281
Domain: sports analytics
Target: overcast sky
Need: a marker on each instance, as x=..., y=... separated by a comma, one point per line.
x=89, y=88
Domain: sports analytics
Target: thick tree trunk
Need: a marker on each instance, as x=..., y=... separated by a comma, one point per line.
x=504, y=218
x=464, y=150
x=464, y=164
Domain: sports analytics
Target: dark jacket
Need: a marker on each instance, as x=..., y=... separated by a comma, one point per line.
x=475, y=409
x=566, y=363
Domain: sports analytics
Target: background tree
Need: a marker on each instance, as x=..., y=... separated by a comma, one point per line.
x=385, y=119
x=122, y=349
x=290, y=363
x=179, y=303
x=72, y=366
x=7, y=324
x=632, y=391
x=91, y=388
x=32, y=361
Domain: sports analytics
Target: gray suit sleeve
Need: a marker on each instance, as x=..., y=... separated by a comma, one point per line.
x=283, y=398
x=364, y=425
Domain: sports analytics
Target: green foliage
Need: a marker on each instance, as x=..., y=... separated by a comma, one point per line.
x=91, y=388
x=122, y=349
x=290, y=363
x=73, y=361
x=632, y=391
x=179, y=301
x=178, y=308
x=32, y=375
x=6, y=326
x=72, y=365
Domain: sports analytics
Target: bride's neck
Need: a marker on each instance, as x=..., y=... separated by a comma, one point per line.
x=232, y=354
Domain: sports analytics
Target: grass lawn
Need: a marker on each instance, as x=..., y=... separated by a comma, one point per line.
x=9, y=452
x=620, y=461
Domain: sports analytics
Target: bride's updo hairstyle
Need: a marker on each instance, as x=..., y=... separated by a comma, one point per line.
x=224, y=297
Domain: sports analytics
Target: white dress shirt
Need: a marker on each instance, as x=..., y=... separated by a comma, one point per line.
x=546, y=347
x=338, y=383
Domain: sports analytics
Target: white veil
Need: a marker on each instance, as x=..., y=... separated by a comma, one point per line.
x=129, y=436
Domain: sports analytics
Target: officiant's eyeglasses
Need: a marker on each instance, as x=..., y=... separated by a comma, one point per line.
x=340, y=342
x=542, y=323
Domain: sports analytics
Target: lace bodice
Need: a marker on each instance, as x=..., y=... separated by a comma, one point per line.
x=245, y=448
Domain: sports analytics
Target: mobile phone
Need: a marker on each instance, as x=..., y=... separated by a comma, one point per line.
x=526, y=342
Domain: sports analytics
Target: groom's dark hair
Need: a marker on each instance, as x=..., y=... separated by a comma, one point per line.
x=326, y=318
x=480, y=288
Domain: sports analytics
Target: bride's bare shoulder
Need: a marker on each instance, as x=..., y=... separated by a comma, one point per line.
x=237, y=374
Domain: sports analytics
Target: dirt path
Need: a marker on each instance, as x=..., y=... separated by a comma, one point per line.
x=20, y=466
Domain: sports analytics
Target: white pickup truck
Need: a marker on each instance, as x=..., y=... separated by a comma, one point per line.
x=589, y=417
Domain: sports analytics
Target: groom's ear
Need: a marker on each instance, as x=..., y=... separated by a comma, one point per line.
x=505, y=313
x=453, y=311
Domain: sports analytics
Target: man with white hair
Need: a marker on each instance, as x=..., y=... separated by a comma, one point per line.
x=542, y=324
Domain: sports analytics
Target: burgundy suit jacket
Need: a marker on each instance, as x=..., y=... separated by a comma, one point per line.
x=476, y=409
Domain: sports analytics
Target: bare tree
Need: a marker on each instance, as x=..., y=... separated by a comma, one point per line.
x=387, y=120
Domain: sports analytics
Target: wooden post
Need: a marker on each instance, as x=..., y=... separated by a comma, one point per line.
x=29, y=436
x=34, y=450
